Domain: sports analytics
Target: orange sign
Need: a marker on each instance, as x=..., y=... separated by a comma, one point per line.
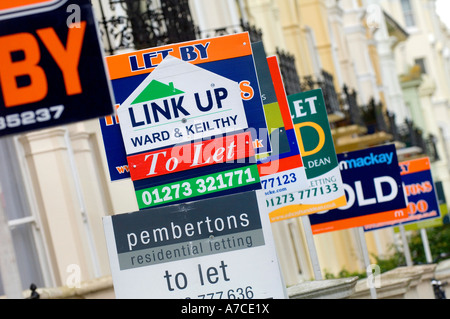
x=198, y=51
x=419, y=188
x=66, y=57
x=391, y=217
x=52, y=68
x=414, y=166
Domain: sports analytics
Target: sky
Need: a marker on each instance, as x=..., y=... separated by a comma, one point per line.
x=443, y=10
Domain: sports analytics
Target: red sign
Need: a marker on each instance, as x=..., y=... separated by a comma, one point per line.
x=191, y=155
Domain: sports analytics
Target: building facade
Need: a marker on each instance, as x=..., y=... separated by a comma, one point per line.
x=56, y=186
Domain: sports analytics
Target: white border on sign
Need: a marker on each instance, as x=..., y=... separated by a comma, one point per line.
x=30, y=9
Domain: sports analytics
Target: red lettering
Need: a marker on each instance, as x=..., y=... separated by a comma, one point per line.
x=419, y=188
x=421, y=206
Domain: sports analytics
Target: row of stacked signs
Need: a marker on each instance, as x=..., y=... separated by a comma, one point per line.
x=216, y=152
x=214, y=148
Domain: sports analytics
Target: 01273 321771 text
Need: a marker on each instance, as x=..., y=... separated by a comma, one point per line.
x=197, y=186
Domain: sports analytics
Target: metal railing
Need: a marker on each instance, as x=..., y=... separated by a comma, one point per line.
x=288, y=71
x=132, y=24
x=138, y=24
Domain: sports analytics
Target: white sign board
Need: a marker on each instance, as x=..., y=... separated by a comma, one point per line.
x=217, y=248
x=179, y=102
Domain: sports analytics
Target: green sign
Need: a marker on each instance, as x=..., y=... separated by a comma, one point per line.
x=315, y=141
x=197, y=186
x=310, y=119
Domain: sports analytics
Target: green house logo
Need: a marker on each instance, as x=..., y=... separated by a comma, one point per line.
x=177, y=102
x=156, y=90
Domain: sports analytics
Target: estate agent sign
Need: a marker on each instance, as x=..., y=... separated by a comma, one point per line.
x=52, y=68
x=217, y=248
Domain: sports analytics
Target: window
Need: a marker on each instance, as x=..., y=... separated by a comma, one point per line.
x=408, y=13
x=20, y=218
x=421, y=62
x=142, y=24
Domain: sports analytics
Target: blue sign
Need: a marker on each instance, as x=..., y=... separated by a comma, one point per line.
x=372, y=184
x=232, y=65
x=52, y=68
x=420, y=190
x=114, y=148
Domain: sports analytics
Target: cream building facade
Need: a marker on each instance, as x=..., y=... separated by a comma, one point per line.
x=335, y=38
x=56, y=186
x=427, y=46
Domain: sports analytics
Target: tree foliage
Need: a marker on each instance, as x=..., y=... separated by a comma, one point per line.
x=439, y=241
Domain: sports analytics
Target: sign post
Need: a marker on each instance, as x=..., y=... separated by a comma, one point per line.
x=423, y=205
x=406, y=250
x=426, y=245
x=311, y=247
x=362, y=239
